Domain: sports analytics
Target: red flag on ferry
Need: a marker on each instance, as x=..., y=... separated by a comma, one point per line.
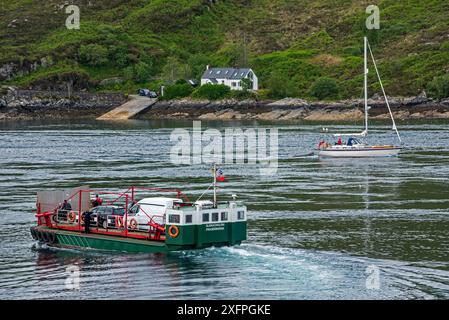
x=220, y=176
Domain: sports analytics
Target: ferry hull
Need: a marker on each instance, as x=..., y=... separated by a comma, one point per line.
x=226, y=235
x=360, y=153
x=70, y=239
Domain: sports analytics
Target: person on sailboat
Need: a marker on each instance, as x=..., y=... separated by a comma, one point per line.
x=350, y=141
x=322, y=143
x=339, y=142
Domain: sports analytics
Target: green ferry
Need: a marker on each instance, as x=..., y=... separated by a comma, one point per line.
x=75, y=219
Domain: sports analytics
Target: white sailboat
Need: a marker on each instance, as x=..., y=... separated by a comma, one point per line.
x=355, y=147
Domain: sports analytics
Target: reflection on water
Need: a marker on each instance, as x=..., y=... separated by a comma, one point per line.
x=314, y=227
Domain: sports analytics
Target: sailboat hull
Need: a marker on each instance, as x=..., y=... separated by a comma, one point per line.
x=365, y=152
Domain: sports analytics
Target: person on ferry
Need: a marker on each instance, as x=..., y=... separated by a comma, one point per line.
x=97, y=202
x=87, y=215
x=66, y=206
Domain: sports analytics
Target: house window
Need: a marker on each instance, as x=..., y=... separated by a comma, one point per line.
x=240, y=215
x=224, y=216
x=188, y=218
x=205, y=217
x=219, y=71
x=214, y=216
x=174, y=218
x=234, y=84
x=222, y=82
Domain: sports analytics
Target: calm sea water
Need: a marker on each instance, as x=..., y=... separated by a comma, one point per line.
x=317, y=229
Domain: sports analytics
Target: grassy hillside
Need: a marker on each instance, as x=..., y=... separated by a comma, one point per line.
x=289, y=43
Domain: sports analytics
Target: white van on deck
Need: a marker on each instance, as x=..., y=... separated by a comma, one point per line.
x=152, y=209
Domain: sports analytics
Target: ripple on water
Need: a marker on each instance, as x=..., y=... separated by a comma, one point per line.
x=314, y=227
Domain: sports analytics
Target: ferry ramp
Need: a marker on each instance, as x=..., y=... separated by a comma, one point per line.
x=129, y=109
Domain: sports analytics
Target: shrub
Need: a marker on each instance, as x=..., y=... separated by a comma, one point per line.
x=173, y=70
x=139, y=72
x=211, y=92
x=119, y=55
x=93, y=54
x=445, y=46
x=281, y=85
x=177, y=91
x=247, y=84
x=243, y=95
x=439, y=87
x=324, y=88
x=181, y=81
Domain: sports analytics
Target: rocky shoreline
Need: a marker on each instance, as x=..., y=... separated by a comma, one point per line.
x=419, y=107
x=33, y=105
x=29, y=105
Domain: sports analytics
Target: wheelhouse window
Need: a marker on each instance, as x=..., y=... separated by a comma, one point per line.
x=174, y=218
x=214, y=216
x=205, y=217
x=241, y=215
x=188, y=218
x=224, y=216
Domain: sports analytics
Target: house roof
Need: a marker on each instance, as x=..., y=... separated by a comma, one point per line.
x=226, y=73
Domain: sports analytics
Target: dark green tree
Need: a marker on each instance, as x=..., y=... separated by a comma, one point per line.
x=324, y=88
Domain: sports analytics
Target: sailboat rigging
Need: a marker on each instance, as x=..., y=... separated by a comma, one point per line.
x=354, y=147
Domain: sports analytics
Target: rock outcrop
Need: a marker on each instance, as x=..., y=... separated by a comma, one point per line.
x=23, y=104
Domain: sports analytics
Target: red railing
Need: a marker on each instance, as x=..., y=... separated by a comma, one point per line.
x=155, y=231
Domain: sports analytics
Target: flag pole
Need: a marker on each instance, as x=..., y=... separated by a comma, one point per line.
x=215, y=185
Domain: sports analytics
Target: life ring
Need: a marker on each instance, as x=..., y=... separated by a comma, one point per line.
x=133, y=224
x=173, y=231
x=71, y=216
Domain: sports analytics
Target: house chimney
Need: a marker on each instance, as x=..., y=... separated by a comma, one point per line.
x=207, y=67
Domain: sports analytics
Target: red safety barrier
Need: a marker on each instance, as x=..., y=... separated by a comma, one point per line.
x=155, y=232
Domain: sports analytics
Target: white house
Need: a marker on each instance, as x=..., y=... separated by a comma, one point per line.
x=230, y=77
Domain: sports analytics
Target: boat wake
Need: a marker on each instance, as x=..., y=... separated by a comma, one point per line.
x=280, y=273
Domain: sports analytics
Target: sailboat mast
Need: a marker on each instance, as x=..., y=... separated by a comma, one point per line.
x=365, y=71
x=215, y=185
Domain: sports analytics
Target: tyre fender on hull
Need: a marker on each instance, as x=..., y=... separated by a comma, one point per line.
x=46, y=236
x=33, y=233
x=51, y=237
x=40, y=236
